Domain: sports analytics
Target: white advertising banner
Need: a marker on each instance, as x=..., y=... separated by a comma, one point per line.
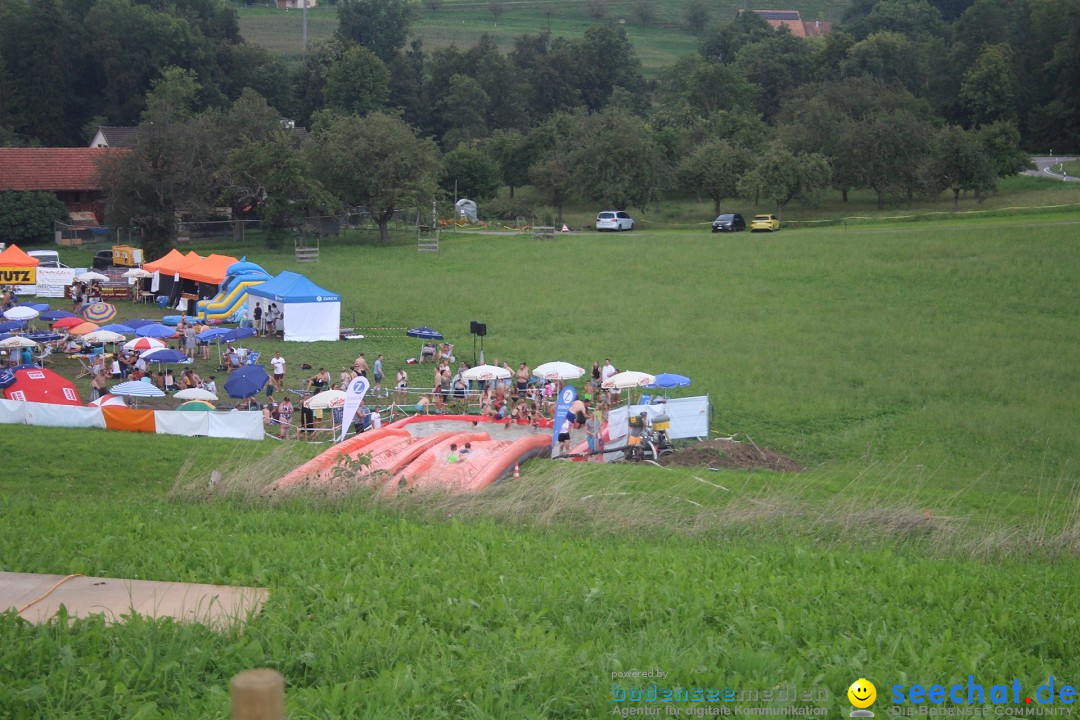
x=689, y=415
x=181, y=422
x=354, y=397
x=52, y=281
x=239, y=424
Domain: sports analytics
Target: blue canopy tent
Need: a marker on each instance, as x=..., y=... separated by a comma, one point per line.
x=311, y=313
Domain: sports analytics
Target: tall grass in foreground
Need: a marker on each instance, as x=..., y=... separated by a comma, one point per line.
x=629, y=500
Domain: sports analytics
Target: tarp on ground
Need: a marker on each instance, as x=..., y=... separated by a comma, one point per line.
x=239, y=424
x=173, y=422
x=210, y=269
x=49, y=415
x=311, y=313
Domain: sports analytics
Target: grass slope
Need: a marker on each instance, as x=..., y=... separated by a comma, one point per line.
x=658, y=43
x=911, y=366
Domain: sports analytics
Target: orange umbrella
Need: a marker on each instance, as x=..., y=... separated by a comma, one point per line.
x=84, y=328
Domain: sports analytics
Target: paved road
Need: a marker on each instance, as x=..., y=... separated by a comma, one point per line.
x=1047, y=167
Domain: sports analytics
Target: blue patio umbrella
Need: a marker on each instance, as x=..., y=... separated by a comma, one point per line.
x=40, y=307
x=670, y=380
x=424, y=333
x=163, y=355
x=7, y=378
x=10, y=325
x=155, y=331
x=118, y=328
x=237, y=334
x=139, y=322
x=212, y=334
x=51, y=315
x=246, y=381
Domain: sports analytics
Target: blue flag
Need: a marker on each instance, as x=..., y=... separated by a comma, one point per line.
x=562, y=410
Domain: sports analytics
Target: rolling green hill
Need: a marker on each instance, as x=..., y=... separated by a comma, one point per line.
x=658, y=43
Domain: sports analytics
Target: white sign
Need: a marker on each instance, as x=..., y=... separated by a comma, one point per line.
x=52, y=281
x=354, y=396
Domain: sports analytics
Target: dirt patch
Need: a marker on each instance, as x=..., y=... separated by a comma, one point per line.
x=730, y=454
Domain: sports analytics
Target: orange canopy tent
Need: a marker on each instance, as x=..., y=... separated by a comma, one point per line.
x=210, y=269
x=14, y=257
x=163, y=263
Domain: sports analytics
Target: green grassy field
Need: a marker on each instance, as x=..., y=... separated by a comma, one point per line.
x=922, y=371
x=658, y=44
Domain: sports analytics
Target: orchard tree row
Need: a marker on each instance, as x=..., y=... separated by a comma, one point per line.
x=188, y=161
x=67, y=66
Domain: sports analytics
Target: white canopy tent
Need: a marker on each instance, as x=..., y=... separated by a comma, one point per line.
x=310, y=312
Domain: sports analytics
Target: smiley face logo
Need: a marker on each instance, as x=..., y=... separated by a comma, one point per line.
x=862, y=693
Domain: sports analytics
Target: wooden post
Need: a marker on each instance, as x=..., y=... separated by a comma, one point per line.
x=258, y=695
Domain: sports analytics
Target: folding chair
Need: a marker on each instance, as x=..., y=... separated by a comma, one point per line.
x=44, y=355
x=645, y=400
x=252, y=358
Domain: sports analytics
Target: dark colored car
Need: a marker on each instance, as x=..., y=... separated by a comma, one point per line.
x=104, y=259
x=730, y=222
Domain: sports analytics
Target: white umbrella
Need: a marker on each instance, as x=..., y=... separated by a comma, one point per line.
x=486, y=372
x=21, y=312
x=91, y=276
x=558, y=370
x=144, y=343
x=103, y=336
x=17, y=341
x=326, y=399
x=628, y=379
x=108, y=400
x=137, y=273
x=137, y=388
x=195, y=394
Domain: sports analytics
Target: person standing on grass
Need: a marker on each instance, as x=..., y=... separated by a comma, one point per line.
x=360, y=366
x=592, y=431
x=285, y=413
x=271, y=319
x=277, y=363
x=189, y=341
x=378, y=374
x=564, y=436
x=257, y=314
x=97, y=385
x=402, y=382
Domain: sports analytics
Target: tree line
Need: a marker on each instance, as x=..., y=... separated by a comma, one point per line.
x=905, y=98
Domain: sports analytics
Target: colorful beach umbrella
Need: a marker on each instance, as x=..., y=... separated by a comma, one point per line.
x=108, y=400
x=84, y=328
x=197, y=405
x=99, y=312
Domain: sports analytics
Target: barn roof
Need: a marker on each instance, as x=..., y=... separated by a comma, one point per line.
x=50, y=169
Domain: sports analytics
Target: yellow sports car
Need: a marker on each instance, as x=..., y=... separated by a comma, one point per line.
x=764, y=222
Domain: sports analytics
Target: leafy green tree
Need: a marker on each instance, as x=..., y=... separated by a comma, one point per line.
x=513, y=153
x=381, y=26
x=376, y=162
x=272, y=176
x=713, y=170
x=552, y=173
x=407, y=72
x=1001, y=140
x=696, y=16
x=644, y=12
x=548, y=68
x=466, y=106
x=958, y=162
x=776, y=65
x=29, y=216
x=705, y=85
x=615, y=160
x=357, y=82
x=606, y=60
x=890, y=149
x=171, y=168
x=988, y=90
x=910, y=18
x=723, y=42
x=39, y=52
x=470, y=173
x=496, y=8
x=780, y=175
x=889, y=57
